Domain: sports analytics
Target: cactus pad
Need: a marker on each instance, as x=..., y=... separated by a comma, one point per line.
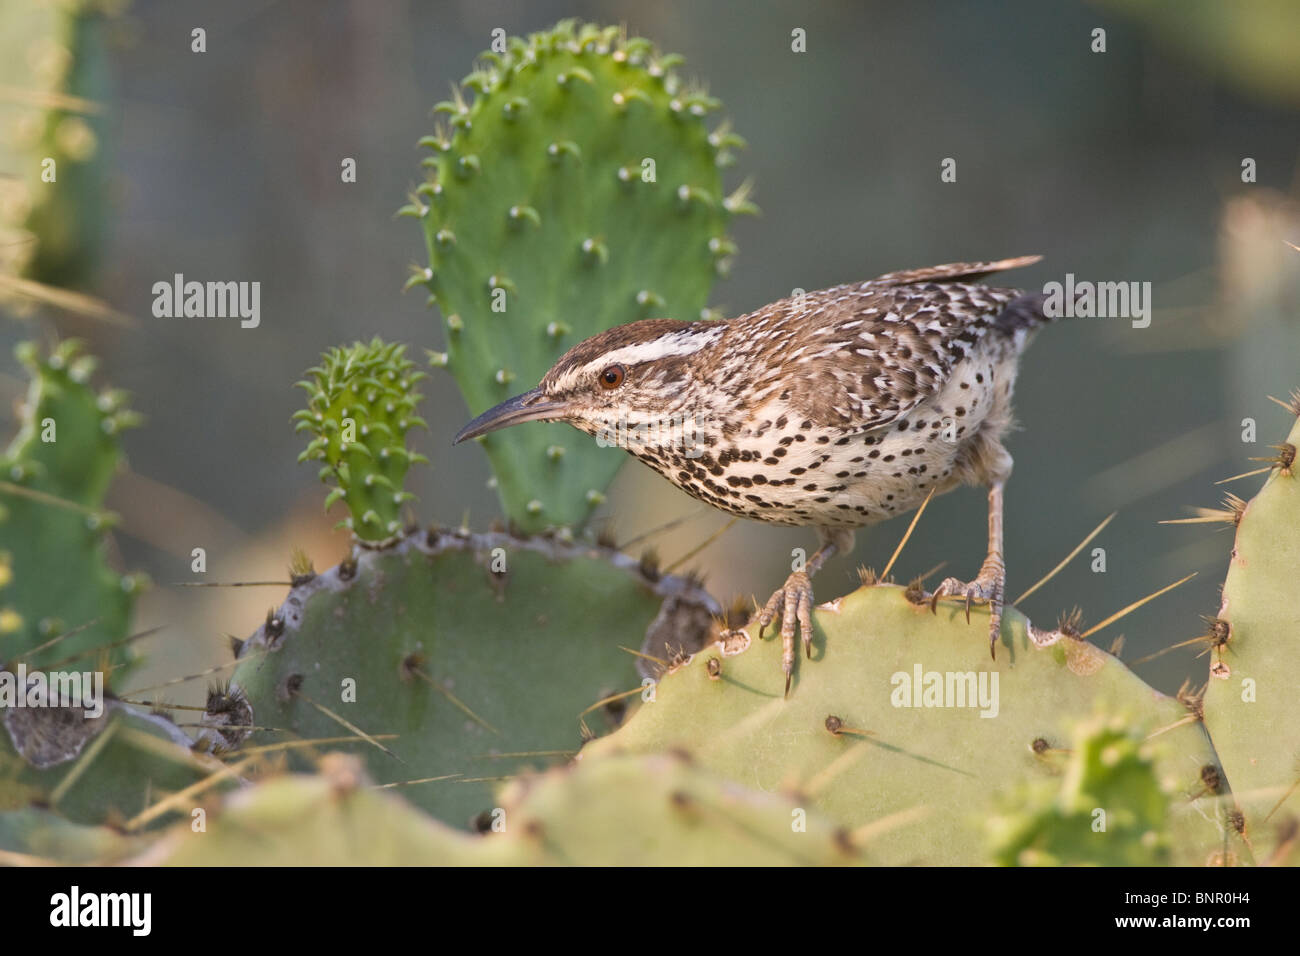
x=481, y=653
x=1250, y=703
x=861, y=738
x=54, y=577
x=575, y=187
x=53, y=132
x=107, y=769
x=622, y=810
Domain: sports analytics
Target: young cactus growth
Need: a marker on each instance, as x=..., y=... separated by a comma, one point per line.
x=576, y=186
x=361, y=405
x=1108, y=807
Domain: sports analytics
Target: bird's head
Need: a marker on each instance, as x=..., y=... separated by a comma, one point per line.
x=633, y=374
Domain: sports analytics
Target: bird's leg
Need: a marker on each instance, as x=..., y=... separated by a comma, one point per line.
x=990, y=584
x=794, y=599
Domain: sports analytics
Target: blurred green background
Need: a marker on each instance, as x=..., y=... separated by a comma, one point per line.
x=1116, y=166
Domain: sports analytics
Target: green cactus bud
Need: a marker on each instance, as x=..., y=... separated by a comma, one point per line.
x=1107, y=807
x=361, y=404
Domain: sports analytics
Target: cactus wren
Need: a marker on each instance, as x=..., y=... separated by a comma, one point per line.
x=832, y=409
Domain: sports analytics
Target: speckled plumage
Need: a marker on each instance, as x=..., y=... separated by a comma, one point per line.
x=827, y=409
x=832, y=409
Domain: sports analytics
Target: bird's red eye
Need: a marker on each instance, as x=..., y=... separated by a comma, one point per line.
x=612, y=377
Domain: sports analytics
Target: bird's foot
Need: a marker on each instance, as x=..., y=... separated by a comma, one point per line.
x=793, y=601
x=988, y=588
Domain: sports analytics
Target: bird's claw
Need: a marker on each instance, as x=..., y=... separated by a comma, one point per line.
x=793, y=601
x=987, y=588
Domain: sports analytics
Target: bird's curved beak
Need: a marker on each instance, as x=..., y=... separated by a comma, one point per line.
x=531, y=406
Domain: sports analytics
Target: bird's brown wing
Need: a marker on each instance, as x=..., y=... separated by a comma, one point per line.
x=859, y=357
x=966, y=271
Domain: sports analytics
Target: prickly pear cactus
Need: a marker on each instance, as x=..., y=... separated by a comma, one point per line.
x=577, y=187
x=63, y=609
x=334, y=818
x=481, y=653
x=902, y=716
x=92, y=770
x=663, y=810
x=54, y=576
x=36, y=836
x=1254, y=643
x=361, y=404
x=1107, y=807
x=657, y=810
x=52, y=139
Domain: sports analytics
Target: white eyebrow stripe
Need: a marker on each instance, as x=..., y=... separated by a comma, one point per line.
x=665, y=346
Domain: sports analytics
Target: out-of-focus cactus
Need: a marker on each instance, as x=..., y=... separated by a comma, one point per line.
x=663, y=810
x=1251, y=46
x=106, y=769
x=65, y=611
x=480, y=652
x=54, y=578
x=36, y=835
x=575, y=187
x=334, y=818
x=1106, y=808
x=901, y=712
x=1254, y=643
x=54, y=191
x=361, y=405
x=622, y=810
